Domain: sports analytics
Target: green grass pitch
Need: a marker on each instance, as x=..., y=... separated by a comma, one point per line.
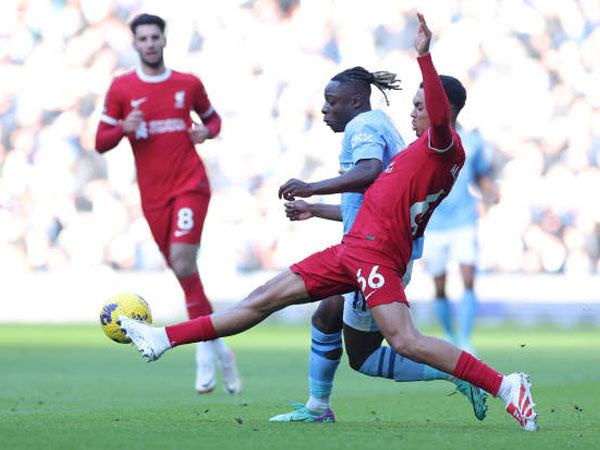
x=69, y=387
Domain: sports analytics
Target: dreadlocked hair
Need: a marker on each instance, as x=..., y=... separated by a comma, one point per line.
x=382, y=80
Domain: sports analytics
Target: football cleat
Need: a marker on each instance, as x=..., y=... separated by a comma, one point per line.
x=520, y=406
x=302, y=414
x=206, y=379
x=141, y=337
x=232, y=383
x=476, y=396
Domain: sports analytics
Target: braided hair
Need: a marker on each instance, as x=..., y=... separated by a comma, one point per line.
x=381, y=80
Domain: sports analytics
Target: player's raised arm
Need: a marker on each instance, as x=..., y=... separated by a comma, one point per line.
x=436, y=101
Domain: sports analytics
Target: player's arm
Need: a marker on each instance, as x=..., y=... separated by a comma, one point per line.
x=110, y=128
x=436, y=101
x=301, y=210
x=357, y=179
x=108, y=136
x=211, y=121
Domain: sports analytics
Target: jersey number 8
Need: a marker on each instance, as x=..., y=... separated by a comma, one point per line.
x=185, y=219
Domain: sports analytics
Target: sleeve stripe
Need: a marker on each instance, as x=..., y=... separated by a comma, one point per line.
x=207, y=113
x=443, y=150
x=109, y=120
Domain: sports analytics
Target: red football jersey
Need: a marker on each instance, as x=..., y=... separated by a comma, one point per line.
x=399, y=203
x=166, y=160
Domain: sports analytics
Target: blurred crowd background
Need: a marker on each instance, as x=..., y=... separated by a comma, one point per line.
x=531, y=69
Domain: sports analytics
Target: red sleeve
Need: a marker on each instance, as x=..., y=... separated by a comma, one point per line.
x=436, y=102
x=110, y=129
x=108, y=136
x=210, y=118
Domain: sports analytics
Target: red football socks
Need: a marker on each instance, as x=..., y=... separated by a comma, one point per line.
x=195, y=330
x=471, y=369
x=196, y=302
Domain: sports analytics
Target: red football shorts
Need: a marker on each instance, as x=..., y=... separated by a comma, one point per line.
x=339, y=269
x=180, y=220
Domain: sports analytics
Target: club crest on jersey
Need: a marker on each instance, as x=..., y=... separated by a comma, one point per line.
x=180, y=99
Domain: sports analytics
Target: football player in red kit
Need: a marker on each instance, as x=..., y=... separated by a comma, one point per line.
x=151, y=106
x=373, y=257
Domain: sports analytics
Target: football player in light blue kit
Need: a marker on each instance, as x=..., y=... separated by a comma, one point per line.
x=452, y=236
x=370, y=141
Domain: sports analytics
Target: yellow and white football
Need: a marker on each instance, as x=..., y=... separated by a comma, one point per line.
x=130, y=305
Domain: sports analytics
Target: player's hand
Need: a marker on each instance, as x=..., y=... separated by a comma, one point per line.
x=297, y=210
x=423, y=38
x=133, y=120
x=198, y=133
x=295, y=188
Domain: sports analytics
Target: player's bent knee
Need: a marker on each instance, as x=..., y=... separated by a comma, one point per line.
x=182, y=267
x=326, y=324
x=407, y=345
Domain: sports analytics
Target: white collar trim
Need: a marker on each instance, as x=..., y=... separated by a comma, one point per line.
x=153, y=78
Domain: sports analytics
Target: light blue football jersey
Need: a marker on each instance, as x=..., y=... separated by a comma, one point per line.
x=459, y=208
x=370, y=135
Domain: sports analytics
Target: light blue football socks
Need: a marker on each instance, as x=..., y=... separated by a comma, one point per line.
x=466, y=318
x=386, y=363
x=443, y=312
x=321, y=370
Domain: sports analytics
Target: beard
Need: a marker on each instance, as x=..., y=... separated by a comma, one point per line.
x=153, y=64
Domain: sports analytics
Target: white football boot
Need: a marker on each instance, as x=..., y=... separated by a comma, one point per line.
x=145, y=337
x=519, y=403
x=206, y=379
x=232, y=383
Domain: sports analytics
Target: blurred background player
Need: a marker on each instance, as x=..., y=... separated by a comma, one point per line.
x=452, y=237
x=370, y=140
x=152, y=106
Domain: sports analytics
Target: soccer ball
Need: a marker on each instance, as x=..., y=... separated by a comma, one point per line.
x=130, y=305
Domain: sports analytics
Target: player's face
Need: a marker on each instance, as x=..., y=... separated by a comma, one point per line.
x=338, y=108
x=420, y=118
x=149, y=42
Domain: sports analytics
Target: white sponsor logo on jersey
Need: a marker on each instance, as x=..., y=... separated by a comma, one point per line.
x=179, y=233
x=166, y=126
x=159, y=127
